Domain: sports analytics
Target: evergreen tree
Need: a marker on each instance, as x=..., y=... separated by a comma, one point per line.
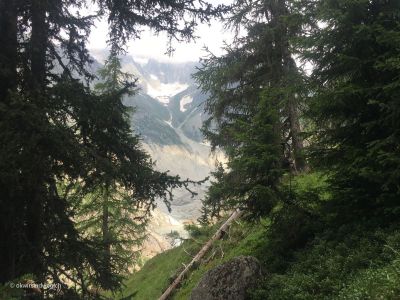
x=356, y=103
x=109, y=214
x=54, y=130
x=255, y=94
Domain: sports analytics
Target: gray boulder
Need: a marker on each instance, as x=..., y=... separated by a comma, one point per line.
x=229, y=281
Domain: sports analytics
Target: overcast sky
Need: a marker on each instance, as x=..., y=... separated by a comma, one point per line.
x=152, y=46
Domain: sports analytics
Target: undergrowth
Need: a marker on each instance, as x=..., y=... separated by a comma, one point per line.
x=303, y=253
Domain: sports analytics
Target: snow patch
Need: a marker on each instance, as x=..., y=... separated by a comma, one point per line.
x=173, y=221
x=141, y=60
x=184, y=101
x=164, y=91
x=153, y=77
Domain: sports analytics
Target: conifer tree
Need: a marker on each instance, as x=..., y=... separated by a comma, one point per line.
x=109, y=214
x=356, y=103
x=55, y=131
x=255, y=94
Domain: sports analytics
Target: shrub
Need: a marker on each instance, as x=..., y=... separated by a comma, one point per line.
x=360, y=265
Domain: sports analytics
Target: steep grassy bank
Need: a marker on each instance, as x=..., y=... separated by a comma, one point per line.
x=303, y=254
x=242, y=239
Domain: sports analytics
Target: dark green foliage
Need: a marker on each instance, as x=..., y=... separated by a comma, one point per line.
x=294, y=222
x=356, y=104
x=254, y=104
x=351, y=262
x=332, y=234
x=107, y=211
x=55, y=132
x=302, y=257
x=217, y=199
x=254, y=167
x=340, y=252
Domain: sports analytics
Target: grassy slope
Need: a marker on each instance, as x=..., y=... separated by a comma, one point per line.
x=303, y=258
x=243, y=239
x=357, y=267
x=157, y=273
x=151, y=280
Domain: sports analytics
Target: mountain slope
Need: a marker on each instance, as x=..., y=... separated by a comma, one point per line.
x=168, y=116
x=167, y=113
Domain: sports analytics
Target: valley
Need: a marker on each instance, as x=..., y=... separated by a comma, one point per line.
x=168, y=111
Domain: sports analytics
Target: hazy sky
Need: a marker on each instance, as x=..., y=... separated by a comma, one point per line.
x=152, y=46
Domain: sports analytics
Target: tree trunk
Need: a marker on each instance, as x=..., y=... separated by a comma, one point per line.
x=8, y=49
x=38, y=44
x=290, y=73
x=36, y=182
x=293, y=114
x=287, y=72
x=106, y=238
x=8, y=82
x=235, y=215
x=295, y=134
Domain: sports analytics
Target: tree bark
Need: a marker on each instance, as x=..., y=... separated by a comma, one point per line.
x=36, y=182
x=8, y=83
x=295, y=133
x=290, y=72
x=286, y=73
x=106, y=235
x=38, y=44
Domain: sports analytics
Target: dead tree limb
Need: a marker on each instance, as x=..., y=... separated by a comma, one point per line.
x=235, y=215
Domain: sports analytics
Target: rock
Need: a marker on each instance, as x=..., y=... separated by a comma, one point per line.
x=228, y=281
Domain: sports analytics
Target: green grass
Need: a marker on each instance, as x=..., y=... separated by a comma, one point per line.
x=155, y=276
x=243, y=239
x=304, y=255
x=157, y=273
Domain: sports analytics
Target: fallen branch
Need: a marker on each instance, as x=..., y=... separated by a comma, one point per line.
x=210, y=257
x=220, y=232
x=184, y=250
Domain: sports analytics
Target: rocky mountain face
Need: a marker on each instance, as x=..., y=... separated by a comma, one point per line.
x=168, y=114
x=169, y=111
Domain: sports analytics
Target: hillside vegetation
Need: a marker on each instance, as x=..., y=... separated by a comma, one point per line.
x=300, y=258
x=303, y=102
x=157, y=273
